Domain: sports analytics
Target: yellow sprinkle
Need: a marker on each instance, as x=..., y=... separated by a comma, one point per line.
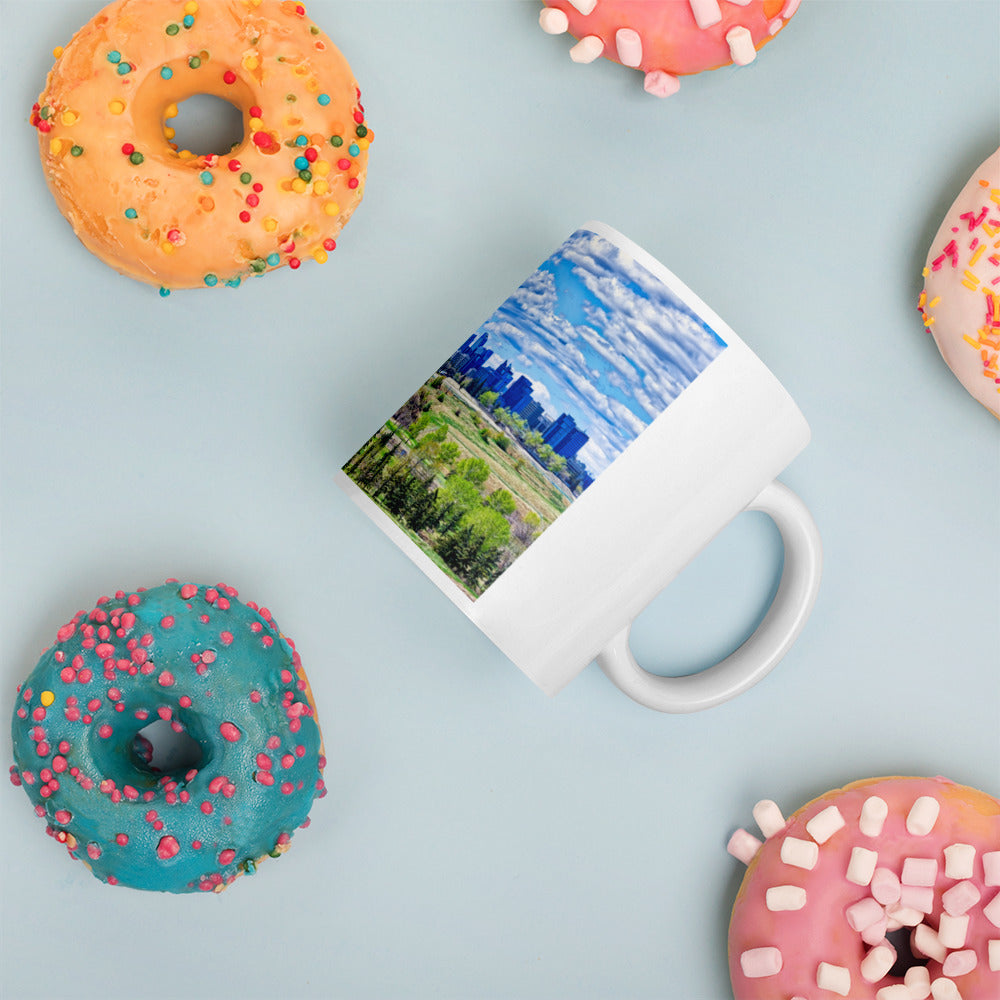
x=167, y=247
x=250, y=61
x=971, y=281
x=321, y=167
x=320, y=256
x=978, y=253
x=321, y=187
x=363, y=143
x=995, y=195
x=299, y=185
x=935, y=301
x=190, y=7
x=270, y=224
x=186, y=154
x=70, y=118
x=169, y=133
x=256, y=124
x=171, y=111
x=57, y=51
x=116, y=107
x=969, y=340
x=47, y=697
x=55, y=146
x=928, y=321
x=331, y=208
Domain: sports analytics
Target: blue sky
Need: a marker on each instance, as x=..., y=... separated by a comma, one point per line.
x=602, y=339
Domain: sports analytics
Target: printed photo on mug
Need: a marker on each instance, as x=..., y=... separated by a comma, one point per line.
x=532, y=408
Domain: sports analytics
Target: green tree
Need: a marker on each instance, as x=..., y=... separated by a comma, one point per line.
x=501, y=501
x=489, y=398
x=456, y=498
x=449, y=453
x=475, y=470
x=471, y=550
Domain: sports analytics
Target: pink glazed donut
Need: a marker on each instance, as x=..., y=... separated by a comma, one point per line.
x=667, y=39
x=886, y=889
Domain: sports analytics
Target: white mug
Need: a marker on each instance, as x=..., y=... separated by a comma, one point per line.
x=575, y=453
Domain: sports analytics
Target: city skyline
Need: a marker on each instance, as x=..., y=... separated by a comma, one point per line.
x=599, y=340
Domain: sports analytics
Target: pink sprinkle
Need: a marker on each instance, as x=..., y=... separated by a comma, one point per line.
x=63, y=816
x=166, y=679
x=226, y=638
x=167, y=621
x=264, y=761
x=226, y=856
x=167, y=847
x=287, y=788
x=93, y=851
x=273, y=743
x=184, y=701
x=215, y=785
x=188, y=591
x=287, y=760
x=208, y=656
x=164, y=712
x=206, y=807
x=59, y=764
x=104, y=731
x=229, y=732
x=121, y=839
x=263, y=777
x=65, y=632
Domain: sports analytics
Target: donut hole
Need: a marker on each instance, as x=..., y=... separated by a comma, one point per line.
x=162, y=749
x=207, y=125
x=905, y=959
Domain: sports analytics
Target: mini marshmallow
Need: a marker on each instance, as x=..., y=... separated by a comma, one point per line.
x=628, y=44
x=660, y=84
x=585, y=7
x=768, y=817
x=898, y=991
x=922, y=816
x=960, y=898
x=863, y=913
x=825, y=824
x=743, y=846
x=924, y=941
x=919, y=871
x=800, y=853
x=553, y=21
x=994, y=955
x=757, y=963
x=958, y=859
x=785, y=897
x=953, y=930
x=918, y=981
x=903, y=916
x=877, y=963
x=873, y=814
x=706, y=12
x=834, y=978
x=861, y=867
x=960, y=963
x=992, y=910
x=589, y=48
x=885, y=886
x=944, y=989
x=741, y=48
x=917, y=897
x=875, y=934
x=991, y=868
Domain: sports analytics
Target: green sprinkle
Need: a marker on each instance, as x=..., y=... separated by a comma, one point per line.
x=306, y=175
x=313, y=30
x=250, y=866
x=45, y=112
x=76, y=151
x=245, y=178
x=194, y=62
x=136, y=157
x=336, y=140
x=173, y=29
x=164, y=292
x=259, y=265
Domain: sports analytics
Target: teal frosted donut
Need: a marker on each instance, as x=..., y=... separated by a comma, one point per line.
x=224, y=679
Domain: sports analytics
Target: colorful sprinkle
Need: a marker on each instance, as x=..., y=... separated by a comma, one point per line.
x=131, y=213
x=206, y=177
x=114, y=57
x=166, y=72
x=211, y=280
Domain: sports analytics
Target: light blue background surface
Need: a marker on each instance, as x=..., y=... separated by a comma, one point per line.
x=480, y=840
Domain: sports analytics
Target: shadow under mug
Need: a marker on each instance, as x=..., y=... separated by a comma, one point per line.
x=567, y=461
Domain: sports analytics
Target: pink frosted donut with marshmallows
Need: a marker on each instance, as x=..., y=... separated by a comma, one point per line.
x=667, y=39
x=886, y=889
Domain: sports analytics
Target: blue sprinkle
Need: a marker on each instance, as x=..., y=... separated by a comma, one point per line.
x=301, y=140
x=124, y=68
x=211, y=279
x=166, y=72
x=234, y=282
x=206, y=177
x=130, y=213
x=164, y=292
x=273, y=259
x=324, y=99
x=188, y=20
x=301, y=163
x=114, y=57
x=353, y=149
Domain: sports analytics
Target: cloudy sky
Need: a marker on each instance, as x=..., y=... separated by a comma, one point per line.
x=603, y=340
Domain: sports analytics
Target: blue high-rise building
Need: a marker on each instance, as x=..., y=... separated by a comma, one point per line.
x=564, y=437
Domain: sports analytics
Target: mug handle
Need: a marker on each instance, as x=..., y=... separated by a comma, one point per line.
x=749, y=663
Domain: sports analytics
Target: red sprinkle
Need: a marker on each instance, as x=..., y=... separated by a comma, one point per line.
x=229, y=76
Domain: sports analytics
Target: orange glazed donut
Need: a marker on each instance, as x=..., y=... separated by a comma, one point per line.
x=886, y=889
x=667, y=39
x=170, y=217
